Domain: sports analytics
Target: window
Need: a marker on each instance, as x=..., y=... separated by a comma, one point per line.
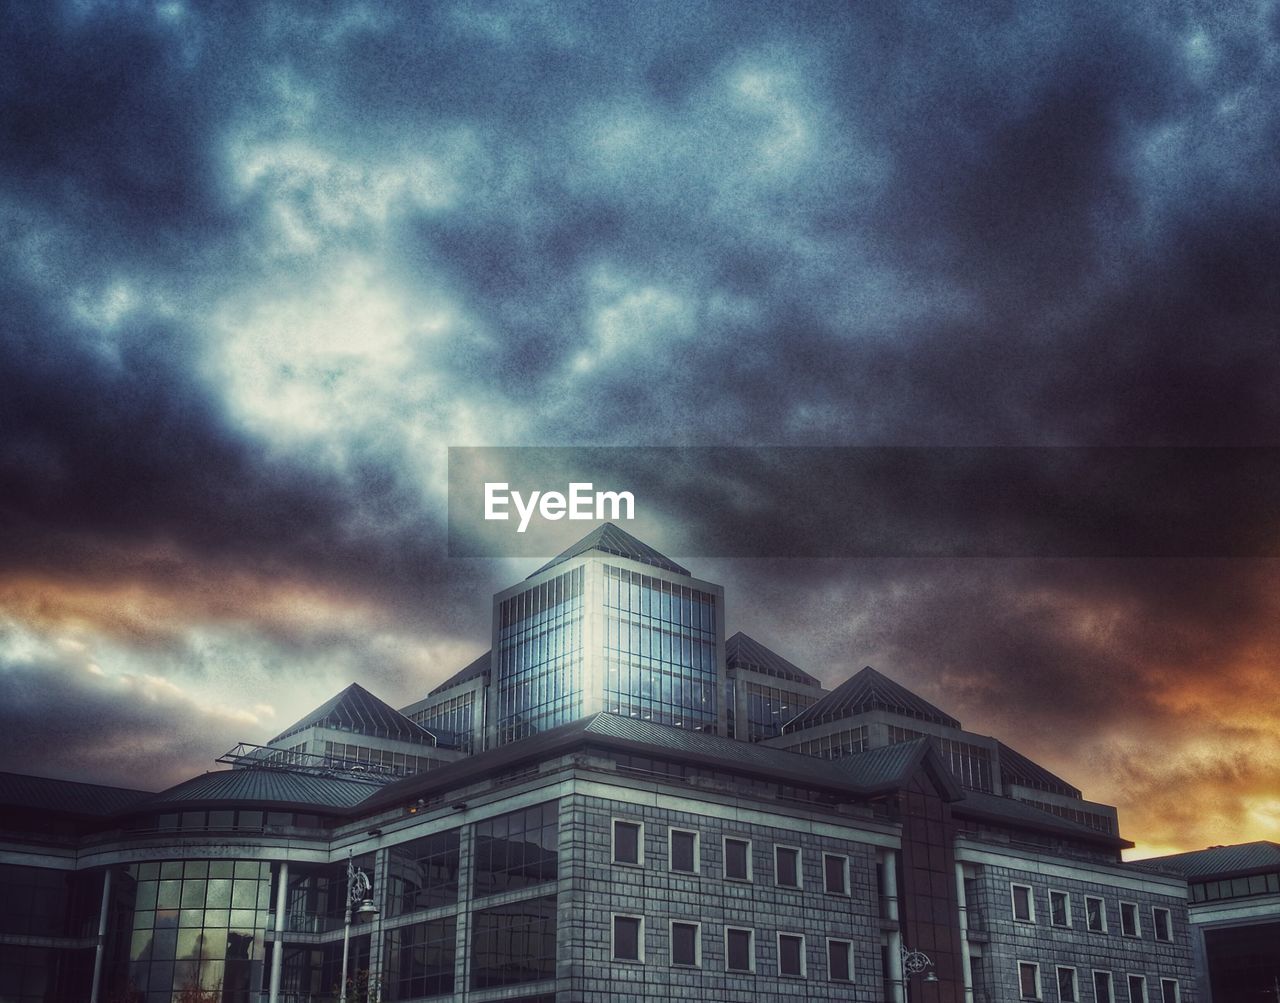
x=628, y=938
x=835, y=872
x=1102, y=991
x=516, y=850
x=786, y=867
x=1067, y=985
x=686, y=944
x=1029, y=980
x=514, y=943
x=1024, y=904
x=1169, y=992
x=1161, y=923
x=1059, y=908
x=683, y=844
x=737, y=859
x=628, y=842
x=423, y=873
x=1137, y=989
x=1095, y=912
x=419, y=959
x=1129, y=919
x=739, y=949
x=791, y=960
x=840, y=960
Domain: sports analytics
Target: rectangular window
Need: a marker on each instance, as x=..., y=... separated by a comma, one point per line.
x=1137, y=989
x=1161, y=923
x=423, y=873
x=1029, y=980
x=1129, y=919
x=739, y=949
x=1024, y=903
x=1059, y=908
x=628, y=842
x=1095, y=911
x=840, y=960
x=514, y=943
x=1102, y=990
x=686, y=944
x=835, y=871
x=628, y=938
x=419, y=959
x=1169, y=992
x=786, y=866
x=1067, y=985
x=737, y=859
x=516, y=850
x=791, y=960
x=683, y=844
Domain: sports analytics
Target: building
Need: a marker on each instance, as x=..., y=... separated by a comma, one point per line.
x=615, y=802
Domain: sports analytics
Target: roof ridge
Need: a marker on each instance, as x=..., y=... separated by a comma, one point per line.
x=609, y=538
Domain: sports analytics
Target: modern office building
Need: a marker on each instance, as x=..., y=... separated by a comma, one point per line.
x=614, y=803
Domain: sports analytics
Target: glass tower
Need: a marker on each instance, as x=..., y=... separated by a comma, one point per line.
x=609, y=625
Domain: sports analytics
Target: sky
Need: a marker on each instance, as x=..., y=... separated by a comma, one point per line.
x=263, y=264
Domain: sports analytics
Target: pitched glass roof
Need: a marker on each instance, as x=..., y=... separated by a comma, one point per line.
x=743, y=652
x=479, y=667
x=1015, y=768
x=865, y=691
x=609, y=539
x=357, y=710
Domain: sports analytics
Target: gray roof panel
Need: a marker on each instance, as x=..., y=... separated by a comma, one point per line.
x=609, y=539
x=1019, y=814
x=358, y=711
x=1223, y=861
x=65, y=796
x=864, y=691
x=743, y=652
x=1017, y=768
x=268, y=786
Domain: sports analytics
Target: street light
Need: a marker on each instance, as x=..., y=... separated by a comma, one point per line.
x=358, y=888
x=915, y=962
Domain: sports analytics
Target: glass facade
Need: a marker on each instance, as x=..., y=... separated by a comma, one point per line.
x=423, y=873
x=419, y=959
x=835, y=745
x=517, y=850
x=659, y=651
x=770, y=707
x=514, y=943
x=198, y=924
x=539, y=660
x=451, y=721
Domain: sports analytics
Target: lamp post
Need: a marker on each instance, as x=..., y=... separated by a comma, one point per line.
x=915, y=962
x=358, y=900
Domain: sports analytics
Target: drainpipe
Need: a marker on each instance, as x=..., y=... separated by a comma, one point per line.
x=965, y=966
x=102, y=936
x=277, y=952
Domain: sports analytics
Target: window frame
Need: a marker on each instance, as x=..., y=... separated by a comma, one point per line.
x=1111, y=986
x=613, y=841
x=799, y=885
x=848, y=949
x=751, y=949
x=613, y=938
x=1066, y=898
x=697, y=943
x=1075, y=983
x=724, y=859
x=1128, y=985
x=1168, y=924
x=697, y=850
x=804, y=961
x=1102, y=914
x=844, y=872
x=1013, y=902
x=1039, y=988
x=1177, y=990
x=1137, y=920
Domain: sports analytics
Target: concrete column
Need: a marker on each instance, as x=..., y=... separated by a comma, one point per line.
x=102, y=937
x=964, y=934
x=897, y=984
x=462, y=925
x=277, y=951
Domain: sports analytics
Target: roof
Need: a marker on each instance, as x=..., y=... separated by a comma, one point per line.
x=1019, y=814
x=1017, y=768
x=858, y=776
x=1223, y=861
x=357, y=710
x=66, y=796
x=268, y=786
x=609, y=539
x=866, y=691
x=472, y=670
x=743, y=652
x=890, y=767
